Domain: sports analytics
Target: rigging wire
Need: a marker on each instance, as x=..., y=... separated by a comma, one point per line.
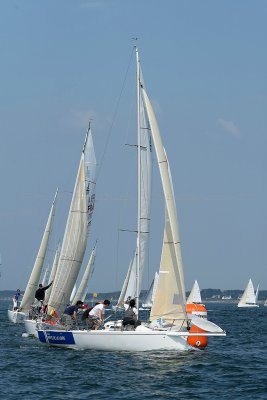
x=114, y=116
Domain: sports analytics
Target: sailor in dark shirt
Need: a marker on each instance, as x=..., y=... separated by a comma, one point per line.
x=70, y=314
x=40, y=294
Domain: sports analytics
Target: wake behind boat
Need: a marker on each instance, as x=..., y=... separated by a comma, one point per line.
x=169, y=327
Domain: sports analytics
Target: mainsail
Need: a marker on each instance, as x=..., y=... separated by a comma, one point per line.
x=77, y=229
x=34, y=280
x=151, y=292
x=131, y=287
x=52, y=275
x=82, y=289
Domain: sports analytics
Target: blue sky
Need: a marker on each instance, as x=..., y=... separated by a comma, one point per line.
x=204, y=64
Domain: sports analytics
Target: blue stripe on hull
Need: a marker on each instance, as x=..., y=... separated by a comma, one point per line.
x=56, y=337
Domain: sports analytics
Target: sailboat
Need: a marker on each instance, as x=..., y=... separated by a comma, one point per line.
x=19, y=315
x=75, y=236
x=194, y=304
x=30, y=322
x=169, y=305
x=249, y=297
x=77, y=229
x=194, y=296
x=82, y=289
x=151, y=293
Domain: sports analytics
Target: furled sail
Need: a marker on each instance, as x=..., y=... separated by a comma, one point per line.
x=82, y=289
x=34, y=280
x=77, y=229
x=194, y=296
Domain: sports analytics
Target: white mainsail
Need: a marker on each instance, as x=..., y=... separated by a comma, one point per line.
x=77, y=228
x=151, y=292
x=123, y=297
x=132, y=286
x=52, y=275
x=82, y=289
x=45, y=277
x=248, y=298
x=32, y=285
x=194, y=296
x=257, y=293
x=73, y=292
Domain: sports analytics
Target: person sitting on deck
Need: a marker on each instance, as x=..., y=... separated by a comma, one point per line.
x=130, y=316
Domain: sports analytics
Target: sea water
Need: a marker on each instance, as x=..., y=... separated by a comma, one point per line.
x=232, y=367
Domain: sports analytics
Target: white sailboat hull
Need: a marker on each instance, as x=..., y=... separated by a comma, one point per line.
x=143, y=339
x=116, y=340
x=17, y=317
x=31, y=327
x=247, y=305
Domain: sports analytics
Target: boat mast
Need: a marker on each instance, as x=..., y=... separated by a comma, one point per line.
x=138, y=179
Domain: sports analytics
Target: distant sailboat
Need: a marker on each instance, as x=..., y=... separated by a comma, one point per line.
x=18, y=316
x=151, y=293
x=249, y=297
x=82, y=289
x=194, y=296
x=194, y=305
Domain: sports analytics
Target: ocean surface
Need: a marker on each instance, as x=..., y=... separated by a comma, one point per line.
x=232, y=367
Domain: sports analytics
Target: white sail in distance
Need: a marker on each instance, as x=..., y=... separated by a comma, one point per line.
x=248, y=298
x=82, y=289
x=77, y=228
x=194, y=296
x=34, y=280
x=151, y=292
